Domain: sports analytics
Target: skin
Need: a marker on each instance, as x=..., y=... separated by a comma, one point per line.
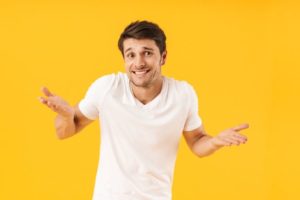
x=202, y=144
x=143, y=62
x=69, y=120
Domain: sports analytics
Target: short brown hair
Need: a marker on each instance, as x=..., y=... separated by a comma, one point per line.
x=143, y=30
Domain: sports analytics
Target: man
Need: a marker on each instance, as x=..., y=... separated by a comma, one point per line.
x=142, y=115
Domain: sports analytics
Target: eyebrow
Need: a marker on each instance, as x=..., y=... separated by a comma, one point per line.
x=147, y=48
x=127, y=50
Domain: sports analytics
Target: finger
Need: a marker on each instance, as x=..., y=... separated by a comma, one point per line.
x=52, y=106
x=42, y=100
x=240, y=140
x=224, y=143
x=49, y=104
x=48, y=101
x=47, y=92
x=231, y=142
x=228, y=141
x=240, y=127
x=235, y=142
x=228, y=144
x=239, y=136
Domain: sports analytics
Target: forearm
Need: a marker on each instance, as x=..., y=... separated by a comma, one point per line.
x=65, y=127
x=204, y=146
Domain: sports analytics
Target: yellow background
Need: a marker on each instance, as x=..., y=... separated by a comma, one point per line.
x=242, y=57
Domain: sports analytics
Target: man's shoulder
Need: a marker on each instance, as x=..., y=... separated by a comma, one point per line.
x=181, y=85
x=109, y=79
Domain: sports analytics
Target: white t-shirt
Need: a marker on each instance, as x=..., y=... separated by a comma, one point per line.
x=139, y=142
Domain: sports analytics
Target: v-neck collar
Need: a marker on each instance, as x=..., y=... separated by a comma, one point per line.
x=151, y=103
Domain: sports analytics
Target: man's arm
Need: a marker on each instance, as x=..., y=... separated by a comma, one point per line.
x=203, y=144
x=69, y=120
x=67, y=127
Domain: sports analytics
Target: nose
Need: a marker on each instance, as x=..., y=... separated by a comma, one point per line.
x=140, y=61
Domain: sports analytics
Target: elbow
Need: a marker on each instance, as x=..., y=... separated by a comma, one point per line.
x=199, y=155
x=61, y=138
x=63, y=135
x=202, y=154
x=60, y=135
x=64, y=129
x=64, y=132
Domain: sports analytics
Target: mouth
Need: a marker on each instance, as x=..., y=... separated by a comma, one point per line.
x=141, y=72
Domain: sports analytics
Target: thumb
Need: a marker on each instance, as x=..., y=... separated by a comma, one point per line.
x=47, y=92
x=240, y=127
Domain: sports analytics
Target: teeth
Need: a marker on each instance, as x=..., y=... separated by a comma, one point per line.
x=140, y=72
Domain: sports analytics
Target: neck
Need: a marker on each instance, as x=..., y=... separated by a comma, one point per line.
x=146, y=94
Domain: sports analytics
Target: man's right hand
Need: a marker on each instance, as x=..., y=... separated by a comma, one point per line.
x=57, y=104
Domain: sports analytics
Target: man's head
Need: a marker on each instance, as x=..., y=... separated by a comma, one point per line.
x=143, y=30
x=143, y=46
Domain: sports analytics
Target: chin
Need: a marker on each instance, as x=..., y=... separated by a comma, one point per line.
x=141, y=84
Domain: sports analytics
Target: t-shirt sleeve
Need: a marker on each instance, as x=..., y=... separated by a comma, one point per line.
x=193, y=120
x=91, y=103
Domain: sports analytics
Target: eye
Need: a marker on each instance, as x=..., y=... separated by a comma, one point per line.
x=130, y=55
x=148, y=53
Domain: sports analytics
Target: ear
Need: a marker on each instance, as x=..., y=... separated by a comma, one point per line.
x=163, y=57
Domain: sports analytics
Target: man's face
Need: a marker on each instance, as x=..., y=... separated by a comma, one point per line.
x=143, y=61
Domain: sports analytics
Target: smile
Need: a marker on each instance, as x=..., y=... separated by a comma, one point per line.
x=142, y=72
